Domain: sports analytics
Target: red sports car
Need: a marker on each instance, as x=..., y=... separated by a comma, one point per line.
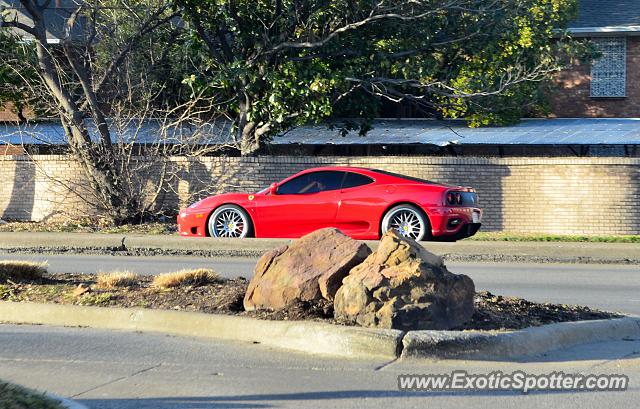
x=362, y=203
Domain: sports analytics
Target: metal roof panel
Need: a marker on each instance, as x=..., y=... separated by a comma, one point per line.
x=559, y=131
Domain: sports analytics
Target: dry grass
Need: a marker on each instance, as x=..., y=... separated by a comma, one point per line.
x=183, y=278
x=116, y=279
x=21, y=270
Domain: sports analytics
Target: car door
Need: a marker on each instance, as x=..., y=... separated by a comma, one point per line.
x=301, y=205
x=359, y=206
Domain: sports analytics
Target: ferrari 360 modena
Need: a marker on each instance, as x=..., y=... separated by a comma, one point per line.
x=362, y=203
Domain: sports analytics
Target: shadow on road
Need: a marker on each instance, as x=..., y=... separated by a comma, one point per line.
x=271, y=400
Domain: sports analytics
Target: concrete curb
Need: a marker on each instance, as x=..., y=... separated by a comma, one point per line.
x=527, y=342
x=309, y=337
x=65, y=402
x=329, y=339
x=462, y=251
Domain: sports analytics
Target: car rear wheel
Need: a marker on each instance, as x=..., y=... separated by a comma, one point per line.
x=229, y=221
x=408, y=220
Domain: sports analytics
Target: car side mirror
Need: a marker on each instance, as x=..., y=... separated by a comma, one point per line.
x=273, y=189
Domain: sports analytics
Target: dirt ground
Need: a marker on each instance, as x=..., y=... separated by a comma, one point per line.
x=492, y=312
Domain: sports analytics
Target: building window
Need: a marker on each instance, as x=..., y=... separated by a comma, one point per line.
x=609, y=72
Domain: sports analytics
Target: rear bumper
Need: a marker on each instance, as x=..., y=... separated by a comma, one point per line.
x=467, y=230
x=455, y=223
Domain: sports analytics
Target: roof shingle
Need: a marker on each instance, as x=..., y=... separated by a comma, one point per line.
x=607, y=13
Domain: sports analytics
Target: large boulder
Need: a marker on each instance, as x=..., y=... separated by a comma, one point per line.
x=403, y=286
x=310, y=268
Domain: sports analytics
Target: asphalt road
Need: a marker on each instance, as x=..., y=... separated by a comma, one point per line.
x=122, y=370
x=610, y=287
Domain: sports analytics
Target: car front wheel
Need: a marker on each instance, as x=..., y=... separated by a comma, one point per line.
x=408, y=220
x=229, y=221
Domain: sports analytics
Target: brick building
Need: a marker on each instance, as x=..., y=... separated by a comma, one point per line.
x=610, y=86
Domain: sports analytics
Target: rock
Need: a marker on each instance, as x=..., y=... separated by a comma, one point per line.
x=403, y=286
x=310, y=268
x=81, y=289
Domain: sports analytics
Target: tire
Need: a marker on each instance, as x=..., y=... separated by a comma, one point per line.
x=229, y=221
x=409, y=220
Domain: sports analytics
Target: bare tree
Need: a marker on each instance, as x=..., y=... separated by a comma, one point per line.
x=107, y=77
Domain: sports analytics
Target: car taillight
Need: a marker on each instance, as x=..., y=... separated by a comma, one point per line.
x=454, y=198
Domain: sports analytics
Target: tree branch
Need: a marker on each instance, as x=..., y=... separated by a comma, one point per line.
x=149, y=25
x=372, y=18
x=19, y=26
x=85, y=82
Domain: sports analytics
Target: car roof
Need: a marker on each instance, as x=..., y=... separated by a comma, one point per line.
x=379, y=175
x=337, y=168
x=364, y=171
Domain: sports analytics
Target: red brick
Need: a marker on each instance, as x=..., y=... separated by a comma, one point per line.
x=571, y=96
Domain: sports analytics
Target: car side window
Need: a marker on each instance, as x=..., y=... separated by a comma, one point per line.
x=355, y=179
x=312, y=182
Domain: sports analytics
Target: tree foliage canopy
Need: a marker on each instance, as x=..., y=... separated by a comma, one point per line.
x=271, y=65
x=17, y=74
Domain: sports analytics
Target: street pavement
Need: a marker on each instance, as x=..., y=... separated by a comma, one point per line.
x=609, y=287
x=463, y=250
x=127, y=370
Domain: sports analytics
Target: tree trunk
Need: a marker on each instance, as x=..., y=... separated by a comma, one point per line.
x=249, y=141
x=98, y=160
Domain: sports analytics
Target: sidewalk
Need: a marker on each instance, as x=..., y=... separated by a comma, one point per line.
x=490, y=251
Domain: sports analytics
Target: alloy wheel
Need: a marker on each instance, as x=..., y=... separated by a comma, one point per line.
x=407, y=221
x=229, y=222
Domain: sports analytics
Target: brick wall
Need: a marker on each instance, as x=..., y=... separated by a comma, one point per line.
x=550, y=195
x=570, y=98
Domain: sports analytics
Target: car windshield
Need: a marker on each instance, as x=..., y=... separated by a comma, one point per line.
x=411, y=178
